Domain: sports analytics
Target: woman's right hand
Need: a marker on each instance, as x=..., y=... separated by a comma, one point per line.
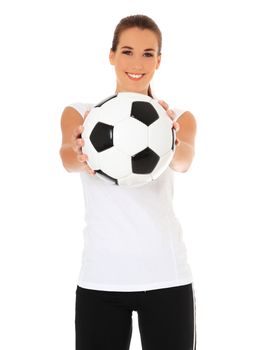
x=77, y=144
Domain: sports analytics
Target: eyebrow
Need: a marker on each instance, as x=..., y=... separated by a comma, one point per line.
x=131, y=48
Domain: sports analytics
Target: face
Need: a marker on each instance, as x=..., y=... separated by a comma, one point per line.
x=135, y=60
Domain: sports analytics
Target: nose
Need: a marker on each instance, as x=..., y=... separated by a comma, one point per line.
x=137, y=65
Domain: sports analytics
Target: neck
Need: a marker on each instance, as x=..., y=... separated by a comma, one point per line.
x=144, y=92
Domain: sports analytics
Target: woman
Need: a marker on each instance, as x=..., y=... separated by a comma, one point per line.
x=134, y=258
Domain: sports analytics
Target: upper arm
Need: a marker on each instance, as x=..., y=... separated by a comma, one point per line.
x=187, y=130
x=70, y=119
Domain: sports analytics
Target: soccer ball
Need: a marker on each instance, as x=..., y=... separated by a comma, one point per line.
x=129, y=139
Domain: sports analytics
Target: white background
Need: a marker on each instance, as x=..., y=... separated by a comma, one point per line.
x=215, y=64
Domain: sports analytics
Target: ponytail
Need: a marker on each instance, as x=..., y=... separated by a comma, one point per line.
x=150, y=92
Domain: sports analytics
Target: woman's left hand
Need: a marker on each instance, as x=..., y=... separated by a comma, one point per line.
x=172, y=115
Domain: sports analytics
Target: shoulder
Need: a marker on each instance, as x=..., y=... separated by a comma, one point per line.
x=73, y=114
x=80, y=107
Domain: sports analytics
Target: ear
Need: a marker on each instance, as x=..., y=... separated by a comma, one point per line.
x=158, y=61
x=111, y=57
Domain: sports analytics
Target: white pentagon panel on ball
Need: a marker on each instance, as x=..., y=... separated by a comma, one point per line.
x=135, y=180
x=162, y=165
x=159, y=134
x=93, y=160
x=130, y=136
x=112, y=112
x=125, y=96
x=118, y=168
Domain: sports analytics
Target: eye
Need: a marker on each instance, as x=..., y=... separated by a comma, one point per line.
x=127, y=52
x=148, y=54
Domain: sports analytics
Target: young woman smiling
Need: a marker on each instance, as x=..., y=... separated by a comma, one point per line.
x=134, y=257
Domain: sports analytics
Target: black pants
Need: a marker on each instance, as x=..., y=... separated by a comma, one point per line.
x=166, y=319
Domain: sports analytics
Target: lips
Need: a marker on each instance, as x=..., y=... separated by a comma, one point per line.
x=135, y=76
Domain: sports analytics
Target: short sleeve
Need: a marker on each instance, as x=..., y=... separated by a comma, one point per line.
x=81, y=107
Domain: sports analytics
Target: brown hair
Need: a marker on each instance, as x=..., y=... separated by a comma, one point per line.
x=138, y=21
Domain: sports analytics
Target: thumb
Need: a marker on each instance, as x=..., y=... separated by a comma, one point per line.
x=85, y=114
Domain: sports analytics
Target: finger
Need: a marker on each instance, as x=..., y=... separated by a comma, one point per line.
x=176, y=126
x=77, y=132
x=77, y=145
x=86, y=114
x=82, y=158
x=171, y=113
x=163, y=104
x=89, y=170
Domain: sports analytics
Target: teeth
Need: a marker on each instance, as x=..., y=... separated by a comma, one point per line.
x=136, y=76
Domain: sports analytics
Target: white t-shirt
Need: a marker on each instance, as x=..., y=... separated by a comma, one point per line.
x=132, y=238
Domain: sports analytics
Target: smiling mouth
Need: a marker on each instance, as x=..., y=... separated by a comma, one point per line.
x=134, y=76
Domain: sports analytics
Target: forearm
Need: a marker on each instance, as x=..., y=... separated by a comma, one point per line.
x=69, y=159
x=183, y=157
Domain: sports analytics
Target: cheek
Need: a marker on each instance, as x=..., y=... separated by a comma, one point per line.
x=122, y=66
x=151, y=70
x=123, y=61
x=151, y=66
